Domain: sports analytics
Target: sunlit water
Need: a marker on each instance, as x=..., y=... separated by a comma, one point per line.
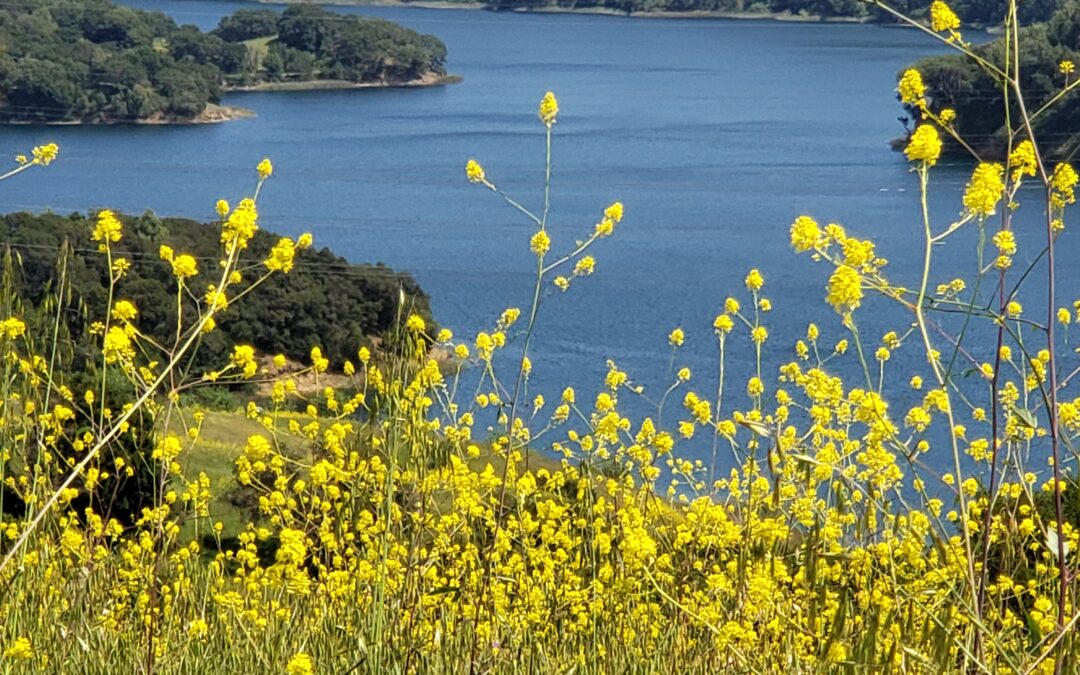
x=715, y=135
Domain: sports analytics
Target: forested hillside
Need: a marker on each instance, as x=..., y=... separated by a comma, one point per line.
x=324, y=301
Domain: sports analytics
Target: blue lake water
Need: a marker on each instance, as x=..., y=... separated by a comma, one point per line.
x=715, y=134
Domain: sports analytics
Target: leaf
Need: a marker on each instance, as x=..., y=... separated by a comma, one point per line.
x=1025, y=416
x=757, y=427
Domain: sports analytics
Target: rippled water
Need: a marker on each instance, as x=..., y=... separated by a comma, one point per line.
x=715, y=134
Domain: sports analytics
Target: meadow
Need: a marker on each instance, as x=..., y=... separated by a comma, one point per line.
x=416, y=508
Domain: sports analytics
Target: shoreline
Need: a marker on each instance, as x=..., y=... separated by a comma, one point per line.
x=600, y=11
x=213, y=114
x=426, y=80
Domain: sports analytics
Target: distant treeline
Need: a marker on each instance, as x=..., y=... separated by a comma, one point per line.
x=95, y=61
x=959, y=83
x=324, y=301
x=988, y=12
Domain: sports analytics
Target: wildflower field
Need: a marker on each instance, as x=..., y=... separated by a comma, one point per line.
x=429, y=514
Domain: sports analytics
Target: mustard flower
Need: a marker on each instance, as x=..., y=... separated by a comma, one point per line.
x=293, y=548
x=676, y=337
x=924, y=145
x=21, y=649
x=184, y=266
x=243, y=357
x=1022, y=160
x=1066, y=67
x=241, y=225
x=117, y=346
x=585, y=266
x=474, y=172
x=549, y=108
x=107, y=229
x=942, y=17
x=265, y=169
x=805, y=234
x=911, y=88
x=45, y=154
x=415, y=324
x=12, y=328
x=1005, y=241
x=844, y=290
x=947, y=116
x=723, y=324
x=754, y=281
x=124, y=310
x=755, y=387
x=1063, y=183
x=540, y=243
x=221, y=207
x=614, y=212
x=1014, y=309
x=300, y=664
x=985, y=189
x=281, y=256
x=304, y=240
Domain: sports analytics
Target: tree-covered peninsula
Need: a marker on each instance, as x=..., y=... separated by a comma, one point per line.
x=97, y=62
x=975, y=103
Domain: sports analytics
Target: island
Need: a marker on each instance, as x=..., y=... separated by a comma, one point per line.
x=95, y=62
x=977, y=102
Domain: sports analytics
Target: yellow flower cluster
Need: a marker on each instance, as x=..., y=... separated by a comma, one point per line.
x=549, y=108
x=942, y=17
x=924, y=145
x=911, y=88
x=985, y=189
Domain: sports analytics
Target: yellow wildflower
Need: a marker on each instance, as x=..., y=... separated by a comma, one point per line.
x=549, y=108
x=1063, y=184
x=108, y=229
x=45, y=154
x=942, y=17
x=540, y=243
x=21, y=649
x=805, y=234
x=474, y=172
x=184, y=266
x=281, y=256
x=124, y=310
x=300, y=665
x=911, y=87
x=1022, y=160
x=415, y=323
x=844, y=290
x=754, y=281
x=265, y=169
x=985, y=189
x=924, y=145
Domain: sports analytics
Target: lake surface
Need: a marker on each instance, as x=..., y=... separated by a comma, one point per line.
x=715, y=134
